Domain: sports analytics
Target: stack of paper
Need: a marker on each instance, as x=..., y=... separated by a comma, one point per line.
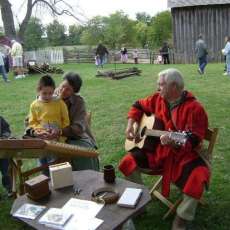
x=55, y=218
x=84, y=213
x=29, y=211
x=130, y=197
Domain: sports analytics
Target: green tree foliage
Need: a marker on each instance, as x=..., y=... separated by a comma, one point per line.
x=143, y=17
x=33, y=34
x=160, y=29
x=56, y=33
x=141, y=31
x=114, y=31
x=94, y=31
x=74, y=34
x=120, y=31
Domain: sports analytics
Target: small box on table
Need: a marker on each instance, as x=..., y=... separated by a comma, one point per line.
x=61, y=175
x=37, y=187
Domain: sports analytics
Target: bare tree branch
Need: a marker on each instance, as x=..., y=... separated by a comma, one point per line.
x=57, y=7
x=54, y=9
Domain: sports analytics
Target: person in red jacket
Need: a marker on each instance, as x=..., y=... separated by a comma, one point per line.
x=178, y=110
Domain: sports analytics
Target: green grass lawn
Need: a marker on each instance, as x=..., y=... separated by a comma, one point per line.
x=109, y=101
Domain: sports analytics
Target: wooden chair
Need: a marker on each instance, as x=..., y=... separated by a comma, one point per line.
x=16, y=166
x=206, y=155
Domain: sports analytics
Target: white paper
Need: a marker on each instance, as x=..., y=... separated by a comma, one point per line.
x=82, y=207
x=130, y=197
x=80, y=223
x=29, y=211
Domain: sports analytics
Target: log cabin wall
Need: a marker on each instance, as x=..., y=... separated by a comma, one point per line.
x=213, y=21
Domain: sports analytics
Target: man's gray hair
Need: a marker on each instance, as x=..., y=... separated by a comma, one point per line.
x=172, y=76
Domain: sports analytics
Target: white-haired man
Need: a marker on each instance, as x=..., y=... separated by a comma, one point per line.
x=17, y=56
x=178, y=110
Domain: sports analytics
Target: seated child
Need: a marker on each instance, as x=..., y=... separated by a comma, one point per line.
x=48, y=115
x=4, y=163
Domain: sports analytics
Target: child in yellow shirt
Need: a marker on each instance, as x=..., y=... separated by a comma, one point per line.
x=48, y=114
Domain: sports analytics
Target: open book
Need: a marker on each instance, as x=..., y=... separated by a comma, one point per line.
x=130, y=197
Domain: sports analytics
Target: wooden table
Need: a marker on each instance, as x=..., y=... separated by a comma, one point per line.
x=89, y=180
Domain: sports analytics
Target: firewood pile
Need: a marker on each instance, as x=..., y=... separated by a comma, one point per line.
x=119, y=73
x=34, y=68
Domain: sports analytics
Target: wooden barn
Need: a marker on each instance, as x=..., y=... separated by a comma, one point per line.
x=191, y=18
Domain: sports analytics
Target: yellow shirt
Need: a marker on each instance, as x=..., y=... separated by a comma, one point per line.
x=45, y=115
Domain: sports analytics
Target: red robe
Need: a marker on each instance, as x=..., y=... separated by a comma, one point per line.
x=187, y=116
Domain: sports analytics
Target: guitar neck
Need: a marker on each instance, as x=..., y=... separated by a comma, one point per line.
x=155, y=133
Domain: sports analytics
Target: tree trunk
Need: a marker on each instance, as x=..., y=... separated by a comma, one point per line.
x=25, y=21
x=7, y=18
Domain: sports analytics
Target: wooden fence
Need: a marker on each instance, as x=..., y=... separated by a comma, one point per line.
x=74, y=55
x=51, y=56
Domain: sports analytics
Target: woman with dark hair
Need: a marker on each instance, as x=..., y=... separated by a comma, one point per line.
x=78, y=132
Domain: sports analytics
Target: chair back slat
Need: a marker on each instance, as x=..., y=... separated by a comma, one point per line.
x=211, y=136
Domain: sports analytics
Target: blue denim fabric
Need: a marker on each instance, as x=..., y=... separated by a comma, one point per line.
x=102, y=60
x=6, y=179
x=228, y=63
x=3, y=72
x=202, y=63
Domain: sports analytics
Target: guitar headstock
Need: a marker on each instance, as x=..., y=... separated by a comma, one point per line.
x=179, y=137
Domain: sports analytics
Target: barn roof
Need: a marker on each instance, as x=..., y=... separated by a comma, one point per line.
x=184, y=3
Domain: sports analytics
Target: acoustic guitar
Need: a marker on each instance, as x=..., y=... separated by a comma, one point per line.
x=148, y=132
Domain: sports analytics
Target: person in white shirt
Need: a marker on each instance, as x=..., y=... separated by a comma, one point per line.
x=226, y=52
x=16, y=53
x=2, y=68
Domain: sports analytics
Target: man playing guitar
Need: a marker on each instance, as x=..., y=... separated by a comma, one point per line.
x=178, y=110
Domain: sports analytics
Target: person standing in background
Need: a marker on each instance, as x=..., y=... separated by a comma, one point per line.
x=7, y=60
x=135, y=56
x=226, y=52
x=101, y=55
x=165, y=53
x=17, y=53
x=201, y=54
x=2, y=67
x=225, y=65
x=124, y=55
